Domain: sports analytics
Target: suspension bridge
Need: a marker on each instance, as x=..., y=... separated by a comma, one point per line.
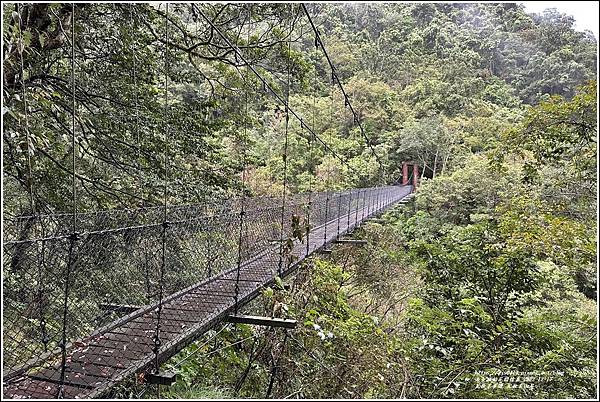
x=127, y=345
x=91, y=298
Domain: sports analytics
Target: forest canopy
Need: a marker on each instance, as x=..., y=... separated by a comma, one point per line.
x=433, y=83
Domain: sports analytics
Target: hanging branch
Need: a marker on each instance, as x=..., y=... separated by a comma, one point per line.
x=270, y=89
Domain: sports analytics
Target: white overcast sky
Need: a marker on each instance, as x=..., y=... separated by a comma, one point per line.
x=584, y=12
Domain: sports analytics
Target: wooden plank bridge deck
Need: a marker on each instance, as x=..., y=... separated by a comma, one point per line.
x=124, y=347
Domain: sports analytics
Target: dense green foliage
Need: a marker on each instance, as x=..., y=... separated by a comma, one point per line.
x=429, y=82
x=491, y=270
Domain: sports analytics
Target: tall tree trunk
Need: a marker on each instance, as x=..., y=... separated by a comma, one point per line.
x=445, y=162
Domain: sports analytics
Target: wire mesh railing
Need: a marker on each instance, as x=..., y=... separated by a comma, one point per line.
x=114, y=271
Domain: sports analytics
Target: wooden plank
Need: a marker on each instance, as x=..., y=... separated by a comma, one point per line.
x=90, y=368
x=138, y=332
x=149, y=323
x=266, y=321
x=120, y=308
x=226, y=286
x=174, y=320
x=129, y=339
x=242, y=279
x=71, y=378
x=176, y=313
x=206, y=298
x=104, y=355
x=121, y=347
x=186, y=307
x=38, y=389
x=222, y=295
x=98, y=359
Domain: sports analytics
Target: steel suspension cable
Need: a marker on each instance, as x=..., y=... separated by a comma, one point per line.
x=208, y=250
x=73, y=142
x=136, y=127
x=310, y=190
x=207, y=354
x=268, y=87
x=356, y=208
x=327, y=190
x=285, y=146
x=366, y=200
x=136, y=106
x=311, y=158
x=199, y=348
x=41, y=292
x=339, y=214
x=30, y=183
x=346, y=97
x=349, y=211
x=165, y=223
x=231, y=344
x=73, y=236
x=25, y=111
x=275, y=364
x=243, y=198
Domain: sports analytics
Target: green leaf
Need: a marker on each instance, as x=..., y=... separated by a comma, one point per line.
x=27, y=38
